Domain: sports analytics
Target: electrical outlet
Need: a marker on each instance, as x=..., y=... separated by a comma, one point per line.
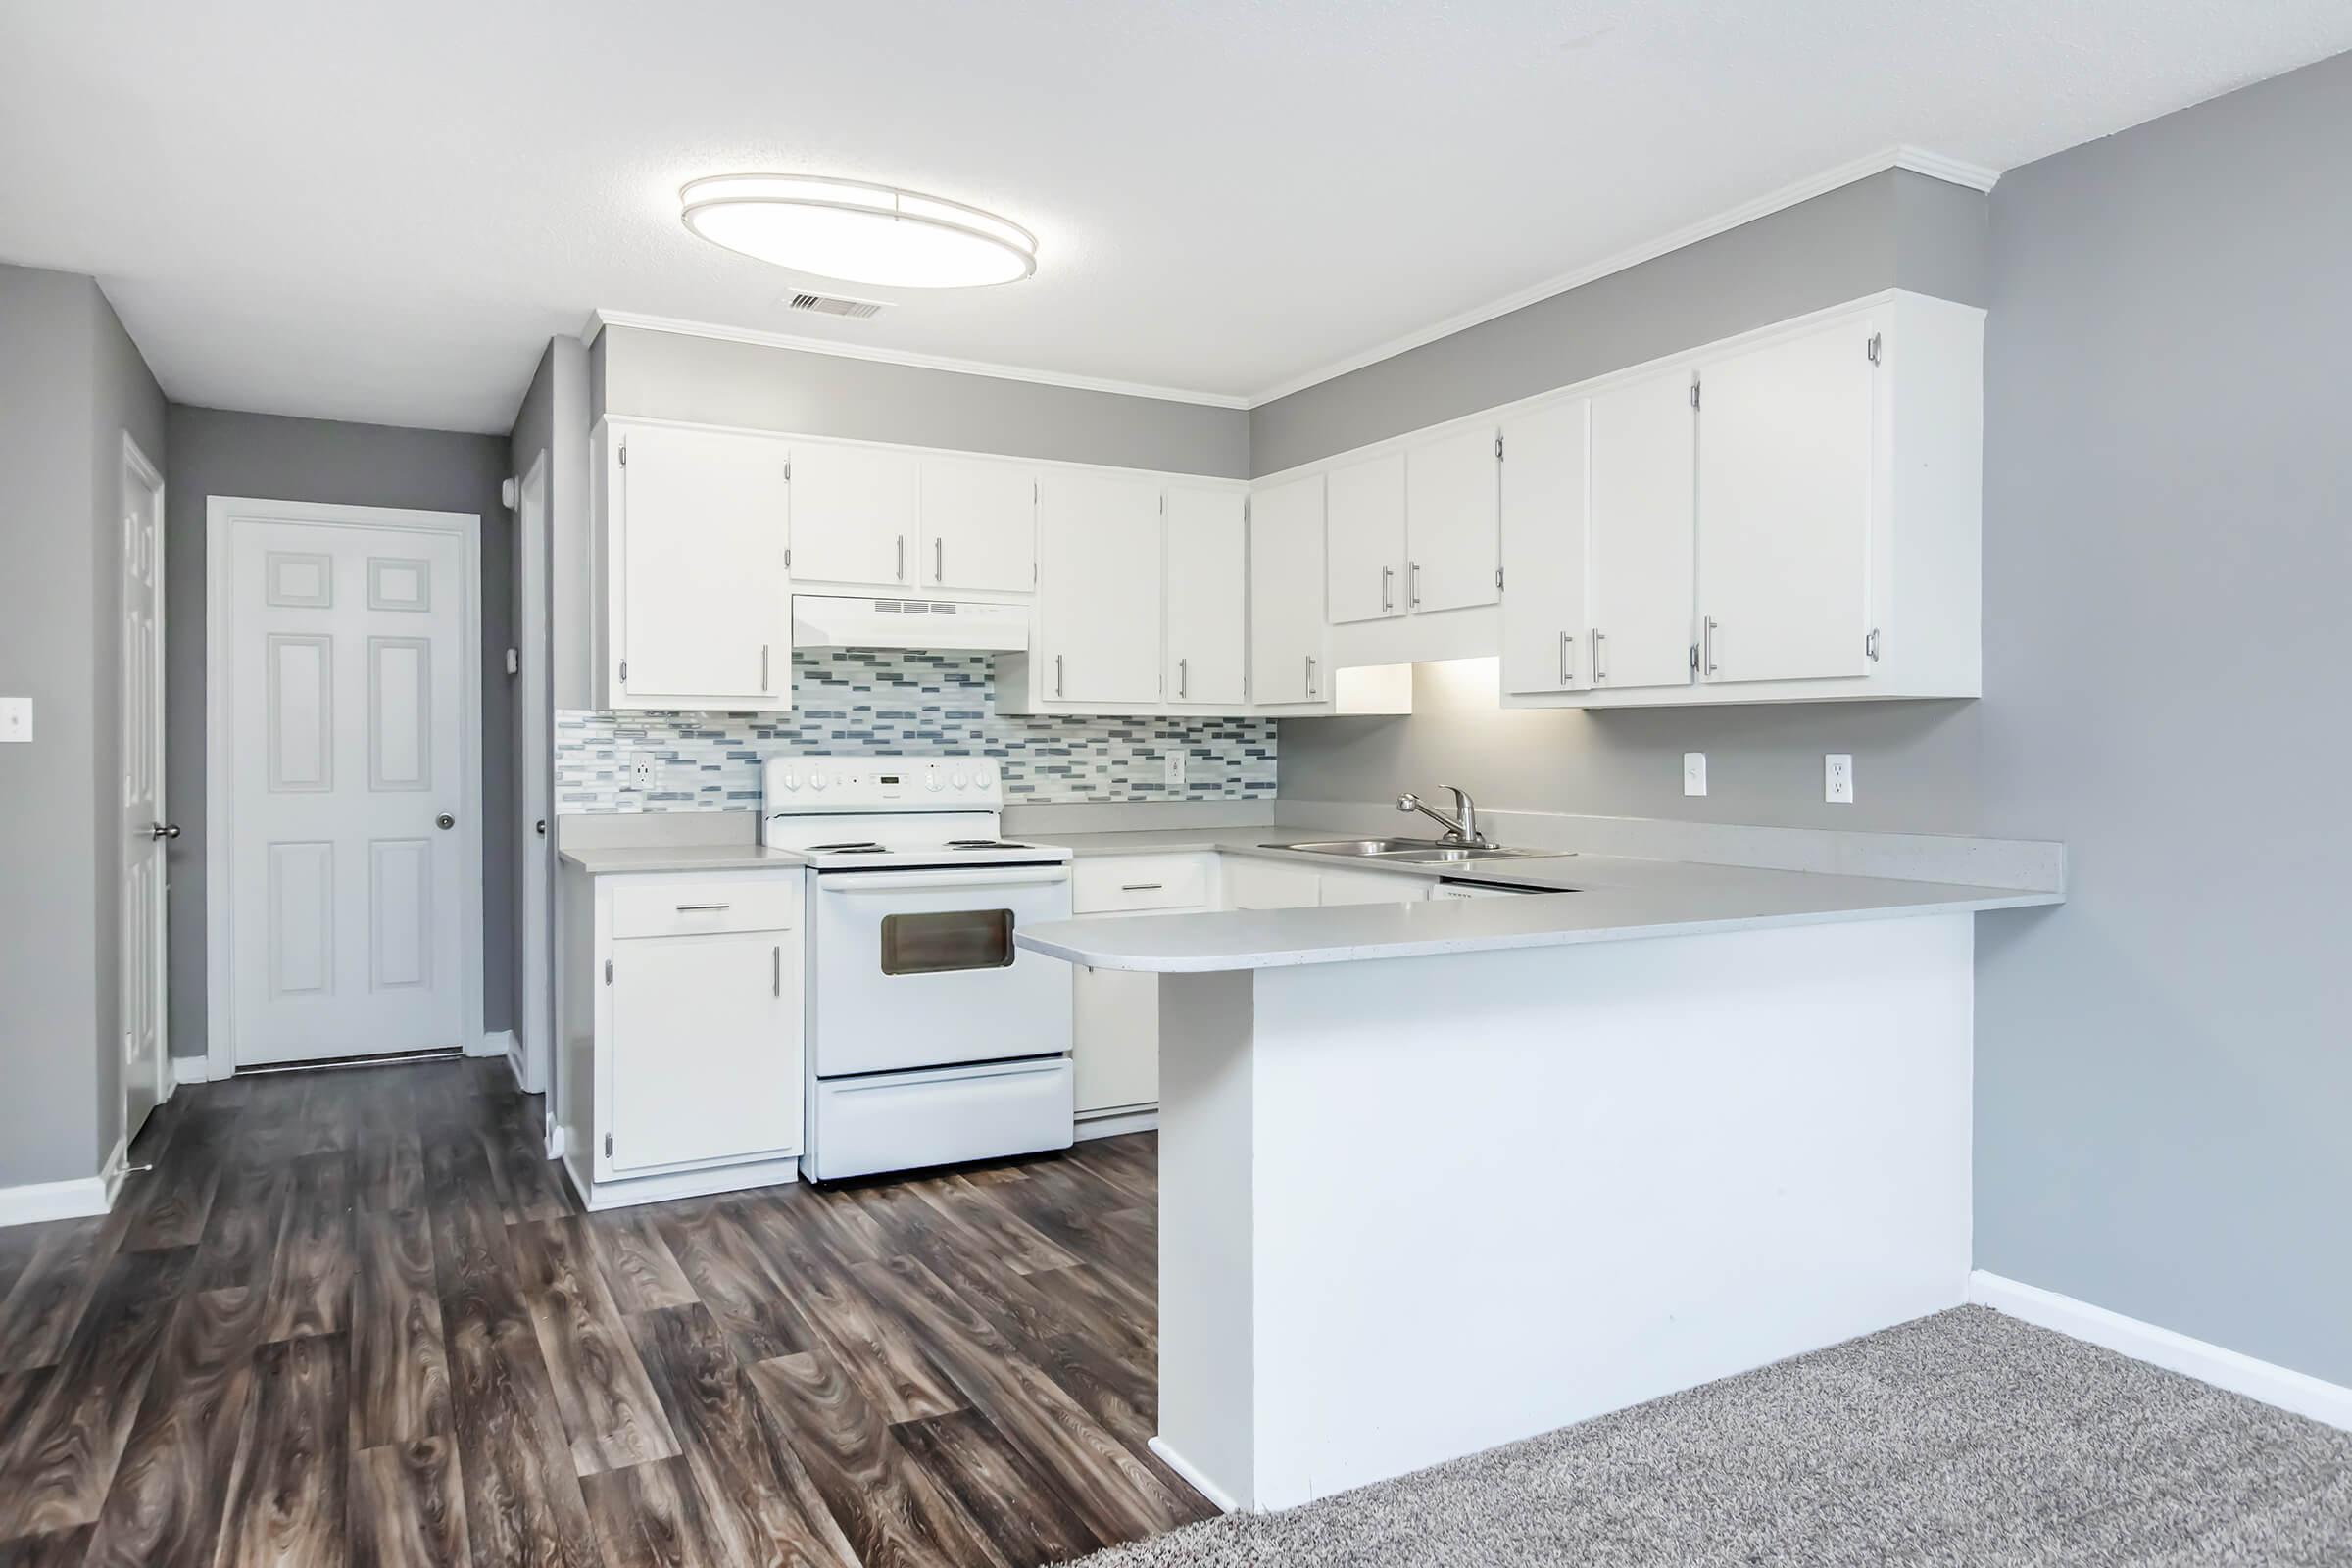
x=1695, y=772
x=644, y=769
x=1838, y=778
x=1175, y=770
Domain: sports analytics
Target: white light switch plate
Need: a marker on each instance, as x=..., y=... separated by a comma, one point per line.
x=1838, y=778
x=1695, y=772
x=16, y=718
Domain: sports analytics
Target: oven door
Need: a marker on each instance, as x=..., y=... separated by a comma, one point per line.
x=917, y=968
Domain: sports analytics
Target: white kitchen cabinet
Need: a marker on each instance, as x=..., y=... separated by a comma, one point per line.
x=679, y=1018
x=1256, y=883
x=1641, y=533
x=854, y=515
x=1099, y=589
x=1207, y=594
x=1286, y=594
x=1450, y=521
x=1364, y=539
x=1542, y=531
x=1115, y=1013
x=694, y=594
x=1348, y=885
x=978, y=531
x=1786, y=439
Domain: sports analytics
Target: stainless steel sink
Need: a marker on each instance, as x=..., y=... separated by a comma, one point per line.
x=1411, y=852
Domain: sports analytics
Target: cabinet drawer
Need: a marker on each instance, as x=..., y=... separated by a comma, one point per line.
x=1111, y=885
x=672, y=906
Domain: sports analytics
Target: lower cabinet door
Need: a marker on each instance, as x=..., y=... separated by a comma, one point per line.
x=1372, y=887
x=1116, y=1016
x=706, y=1050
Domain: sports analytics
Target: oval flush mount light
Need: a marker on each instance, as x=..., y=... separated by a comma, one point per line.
x=859, y=232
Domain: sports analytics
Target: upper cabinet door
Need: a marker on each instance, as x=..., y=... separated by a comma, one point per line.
x=1286, y=594
x=1208, y=547
x=853, y=513
x=1450, y=523
x=1364, y=535
x=1639, y=530
x=1542, y=505
x=979, y=526
x=705, y=606
x=1784, y=446
x=1099, y=588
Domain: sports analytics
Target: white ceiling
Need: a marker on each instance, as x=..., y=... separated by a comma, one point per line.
x=383, y=212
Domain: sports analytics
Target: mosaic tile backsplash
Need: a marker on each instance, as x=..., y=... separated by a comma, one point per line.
x=878, y=701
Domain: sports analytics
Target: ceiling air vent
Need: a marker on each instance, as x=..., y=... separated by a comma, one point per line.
x=831, y=304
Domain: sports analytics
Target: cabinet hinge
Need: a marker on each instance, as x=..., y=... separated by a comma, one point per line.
x=607, y=1146
x=1870, y=645
x=608, y=971
x=625, y=672
x=1694, y=659
x=1871, y=348
x=1695, y=394
x=1498, y=449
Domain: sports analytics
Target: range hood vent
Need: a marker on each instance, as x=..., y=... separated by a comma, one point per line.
x=830, y=620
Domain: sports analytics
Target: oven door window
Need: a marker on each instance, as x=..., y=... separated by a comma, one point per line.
x=948, y=942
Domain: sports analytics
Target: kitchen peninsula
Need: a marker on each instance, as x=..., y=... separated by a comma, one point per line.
x=1441, y=1174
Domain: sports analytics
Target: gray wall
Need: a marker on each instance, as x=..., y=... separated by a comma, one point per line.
x=71, y=384
x=214, y=451
x=2164, y=1066
x=671, y=376
x=1892, y=229
x=1915, y=764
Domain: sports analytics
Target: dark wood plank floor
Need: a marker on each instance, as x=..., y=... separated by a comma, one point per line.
x=350, y=1318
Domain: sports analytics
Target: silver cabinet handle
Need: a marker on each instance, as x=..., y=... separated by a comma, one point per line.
x=1141, y=887
x=1184, y=677
x=1706, y=643
x=775, y=969
x=900, y=574
x=703, y=908
x=1600, y=645
x=763, y=666
x=1388, y=584
x=1412, y=584
x=1311, y=674
x=1567, y=657
x=1057, y=681
x=938, y=558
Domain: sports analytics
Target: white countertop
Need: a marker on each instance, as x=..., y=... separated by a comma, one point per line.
x=1615, y=899
x=621, y=859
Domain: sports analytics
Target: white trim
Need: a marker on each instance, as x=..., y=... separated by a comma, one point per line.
x=219, y=922
x=1116, y=1124
x=190, y=1070
x=1918, y=160
x=628, y=1192
x=46, y=1200
x=556, y=1140
x=2272, y=1384
x=1192, y=1475
x=499, y=1042
x=599, y=318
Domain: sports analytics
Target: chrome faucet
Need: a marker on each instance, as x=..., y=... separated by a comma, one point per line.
x=1460, y=829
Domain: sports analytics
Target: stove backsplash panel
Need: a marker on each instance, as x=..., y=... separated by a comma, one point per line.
x=882, y=702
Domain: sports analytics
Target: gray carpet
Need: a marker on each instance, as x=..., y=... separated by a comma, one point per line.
x=1963, y=1438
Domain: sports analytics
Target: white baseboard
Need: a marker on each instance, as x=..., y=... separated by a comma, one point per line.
x=555, y=1142
x=495, y=1043
x=79, y=1199
x=190, y=1070
x=1113, y=1126
x=1193, y=1477
x=2266, y=1380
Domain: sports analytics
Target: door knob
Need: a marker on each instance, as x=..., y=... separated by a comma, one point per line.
x=164, y=830
x=444, y=821
x=540, y=827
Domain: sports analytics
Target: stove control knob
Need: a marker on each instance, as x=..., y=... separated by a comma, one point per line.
x=816, y=781
x=983, y=777
x=958, y=779
x=931, y=780
x=790, y=781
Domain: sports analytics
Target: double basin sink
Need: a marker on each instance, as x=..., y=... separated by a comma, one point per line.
x=1410, y=852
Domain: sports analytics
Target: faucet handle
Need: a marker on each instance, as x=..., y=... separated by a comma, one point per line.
x=1409, y=802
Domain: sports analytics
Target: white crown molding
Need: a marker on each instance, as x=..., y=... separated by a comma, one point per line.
x=1917, y=159
x=599, y=320
x=1919, y=162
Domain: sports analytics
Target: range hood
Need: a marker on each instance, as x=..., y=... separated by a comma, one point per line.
x=831, y=620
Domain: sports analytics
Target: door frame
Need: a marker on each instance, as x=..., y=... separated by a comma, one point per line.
x=220, y=514
x=137, y=466
x=534, y=714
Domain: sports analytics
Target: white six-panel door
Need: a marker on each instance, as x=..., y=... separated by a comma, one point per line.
x=349, y=858
x=142, y=821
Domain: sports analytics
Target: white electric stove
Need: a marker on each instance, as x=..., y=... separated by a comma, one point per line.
x=931, y=1038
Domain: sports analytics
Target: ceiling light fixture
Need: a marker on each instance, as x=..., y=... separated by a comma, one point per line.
x=860, y=233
